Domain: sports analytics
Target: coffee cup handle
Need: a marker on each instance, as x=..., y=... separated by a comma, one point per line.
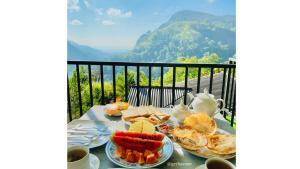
x=222, y=103
x=222, y=107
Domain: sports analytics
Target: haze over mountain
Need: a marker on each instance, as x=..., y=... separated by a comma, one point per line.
x=82, y=52
x=187, y=33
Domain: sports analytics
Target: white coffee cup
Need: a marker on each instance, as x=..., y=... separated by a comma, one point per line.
x=218, y=160
x=84, y=162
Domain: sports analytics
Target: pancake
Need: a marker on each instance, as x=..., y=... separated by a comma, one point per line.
x=222, y=144
x=202, y=123
x=189, y=138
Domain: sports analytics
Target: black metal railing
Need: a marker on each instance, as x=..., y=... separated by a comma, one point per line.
x=156, y=91
x=228, y=88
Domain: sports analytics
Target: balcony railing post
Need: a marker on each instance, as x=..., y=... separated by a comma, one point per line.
x=114, y=81
x=223, y=83
x=69, y=99
x=149, y=90
x=211, y=79
x=231, y=91
x=126, y=84
x=185, y=83
x=138, y=85
x=90, y=85
x=102, y=85
x=227, y=89
x=198, y=79
x=233, y=110
x=173, y=85
x=161, y=85
x=79, y=89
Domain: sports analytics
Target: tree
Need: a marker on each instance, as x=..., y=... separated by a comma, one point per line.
x=73, y=88
x=192, y=72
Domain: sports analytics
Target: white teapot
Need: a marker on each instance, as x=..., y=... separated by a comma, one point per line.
x=206, y=103
x=180, y=112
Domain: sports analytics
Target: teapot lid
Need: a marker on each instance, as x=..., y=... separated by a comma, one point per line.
x=205, y=94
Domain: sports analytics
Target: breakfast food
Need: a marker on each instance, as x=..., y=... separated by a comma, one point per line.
x=136, y=127
x=202, y=123
x=148, y=127
x=164, y=128
x=112, y=110
x=141, y=148
x=147, y=113
x=133, y=156
x=189, y=138
x=116, y=108
x=157, y=136
x=222, y=143
x=122, y=105
x=142, y=126
x=137, y=143
x=199, y=135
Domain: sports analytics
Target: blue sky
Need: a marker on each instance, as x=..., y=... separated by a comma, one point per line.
x=117, y=24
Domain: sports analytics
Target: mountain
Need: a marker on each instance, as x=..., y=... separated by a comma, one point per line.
x=82, y=52
x=187, y=33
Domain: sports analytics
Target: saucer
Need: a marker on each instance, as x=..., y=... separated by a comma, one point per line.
x=200, y=166
x=94, y=162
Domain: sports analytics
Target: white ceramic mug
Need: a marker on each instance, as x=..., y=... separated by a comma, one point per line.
x=219, y=160
x=83, y=163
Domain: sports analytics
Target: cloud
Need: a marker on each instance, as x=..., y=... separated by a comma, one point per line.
x=87, y=4
x=73, y=5
x=127, y=14
x=75, y=22
x=107, y=23
x=114, y=12
x=99, y=11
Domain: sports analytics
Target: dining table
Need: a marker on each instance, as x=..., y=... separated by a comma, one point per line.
x=180, y=157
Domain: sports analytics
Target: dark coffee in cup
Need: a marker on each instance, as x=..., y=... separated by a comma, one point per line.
x=75, y=155
x=217, y=164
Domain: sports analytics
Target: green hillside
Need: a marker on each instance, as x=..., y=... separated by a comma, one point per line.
x=187, y=33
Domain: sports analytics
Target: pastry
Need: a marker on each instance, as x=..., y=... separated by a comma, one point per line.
x=202, y=123
x=189, y=138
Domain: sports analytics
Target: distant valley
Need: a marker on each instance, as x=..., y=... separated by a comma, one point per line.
x=83, y=52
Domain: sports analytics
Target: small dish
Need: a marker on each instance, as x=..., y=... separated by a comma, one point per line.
x=200, y=166
x=166, y=128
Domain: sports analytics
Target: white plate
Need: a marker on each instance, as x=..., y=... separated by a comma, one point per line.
x=167, y=152
x=200, y=166
x=206, y=153
x=101, y=140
